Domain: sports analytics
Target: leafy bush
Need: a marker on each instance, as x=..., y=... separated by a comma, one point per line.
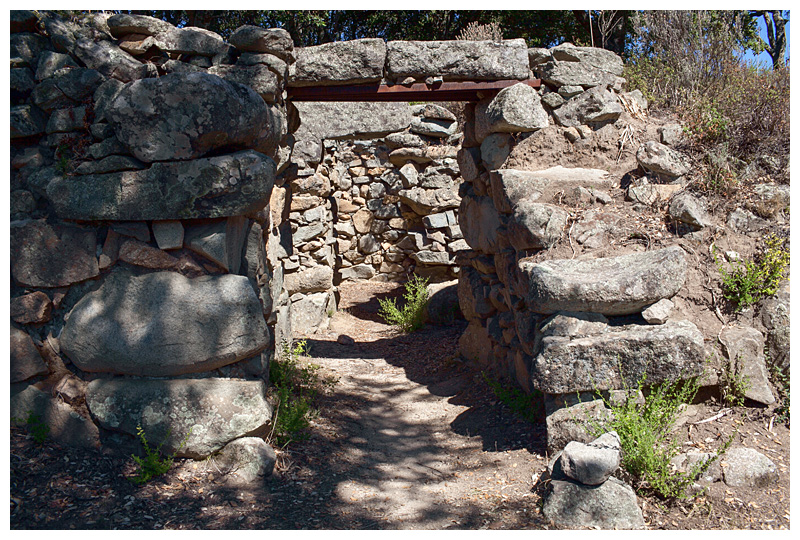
x=36, y=426
x=295, y=389
x=645, y=433
x=153, y=463
x=412, y=316
x=751, y=280
x=525, y=405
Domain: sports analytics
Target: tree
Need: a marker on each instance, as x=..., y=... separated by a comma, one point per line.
x=776, y=35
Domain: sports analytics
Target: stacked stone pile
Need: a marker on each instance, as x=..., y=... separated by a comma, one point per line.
x=143, y=163
x=584, y=494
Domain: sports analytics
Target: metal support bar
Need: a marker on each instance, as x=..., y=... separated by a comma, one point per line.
x=444, y=91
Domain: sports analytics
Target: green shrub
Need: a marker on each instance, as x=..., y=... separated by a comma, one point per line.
x=153, y=463
x=412, y=316
x=35, y=425
x=527, y=406
x=295, y=389
x=645, y=433
x=733, y=385
x=751, y=280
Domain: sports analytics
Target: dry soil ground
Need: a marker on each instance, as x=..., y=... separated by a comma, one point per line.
x=407, y=437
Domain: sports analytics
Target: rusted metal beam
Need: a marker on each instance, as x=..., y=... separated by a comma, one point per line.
x=445, y=91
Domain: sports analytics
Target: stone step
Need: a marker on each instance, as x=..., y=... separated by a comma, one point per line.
x=510, y=186
x=612, y=286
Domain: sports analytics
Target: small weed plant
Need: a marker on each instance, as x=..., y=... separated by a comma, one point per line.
x=780, y=379
x=733, y=385
x=412, y=316
x=154, y=463
x=748, y=281
x=646, y=436
x=38, y=429
x=296, y=387
x=527, y=406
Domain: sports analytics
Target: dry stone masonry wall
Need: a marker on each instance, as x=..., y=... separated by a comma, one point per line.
x=173, y=216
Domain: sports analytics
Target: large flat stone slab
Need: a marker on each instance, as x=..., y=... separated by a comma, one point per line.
x=510, y=186
x=612, y=286
x=611, y=505
x=164, y=324
x=52, y=255
x=618, y=358
x=341, y=62
x=222, y=186
x=185, y=115
x=458, y=60
x=212, y=412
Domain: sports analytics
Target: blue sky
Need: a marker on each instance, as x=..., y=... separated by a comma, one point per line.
x=764, y=58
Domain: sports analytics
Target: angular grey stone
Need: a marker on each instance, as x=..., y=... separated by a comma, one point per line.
x=183, y=116
x=245, y=461
x=57, y=255
x=228, y=185
x=433, y=127
x=570, y=90
x=516, y=109
x=596, y=105
x=168, y=234
x=688, y=209
x=164, y=324
x=304, y=234
x=469, y=163
x=275, y=64
x=538, y=55
x=65, y=120
x=659, y=312
x=436, y=221
x=357, y=272
x=108, y=147
x=368, y=244
x=134, y=229
x=670, y=134
x=110, y=60
x=405, y=139
x=611, y=286
x=661, y=159
x=744, y=348
x=48, y=96
x=26, y=121
x=258, y=77
x=26, y=362
x=193, y=40
x=110, y=164
x=221, y=242
x=510, y=186
x=745, y=222
x=660, y=353
x=458, y=60
x=574, y=74
x=432, y=258
x=314, y=279
x=26, y=48
x=685, y=463
x=275, y=41
x=612, y=505
x=122, y=24
x=342, y=120
x=495, y=148
x=598, y=58
x=21, y=80
x=64, y=424
x=775, y=317
x=104, y=95
x=310, y=312
x=442, y=307
x=593, y=463
x=553, y=100
x=481, y=224
x=341, y=62
x=567, y=418
x=428, y=201
x=206, y=413
x=535, y=225
x=746, y=467
x=574, y=324
x=433, y=111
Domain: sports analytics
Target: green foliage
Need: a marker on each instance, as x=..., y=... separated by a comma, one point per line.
x=751, y=280
x=733, y=385
x=35, y=425
x=295, y=389
x=153, y=463
x=525, y=405
x=780, y=379
x=412, y=316
x=645, y=432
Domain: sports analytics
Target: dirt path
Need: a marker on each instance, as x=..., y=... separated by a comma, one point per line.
x=407, y=438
